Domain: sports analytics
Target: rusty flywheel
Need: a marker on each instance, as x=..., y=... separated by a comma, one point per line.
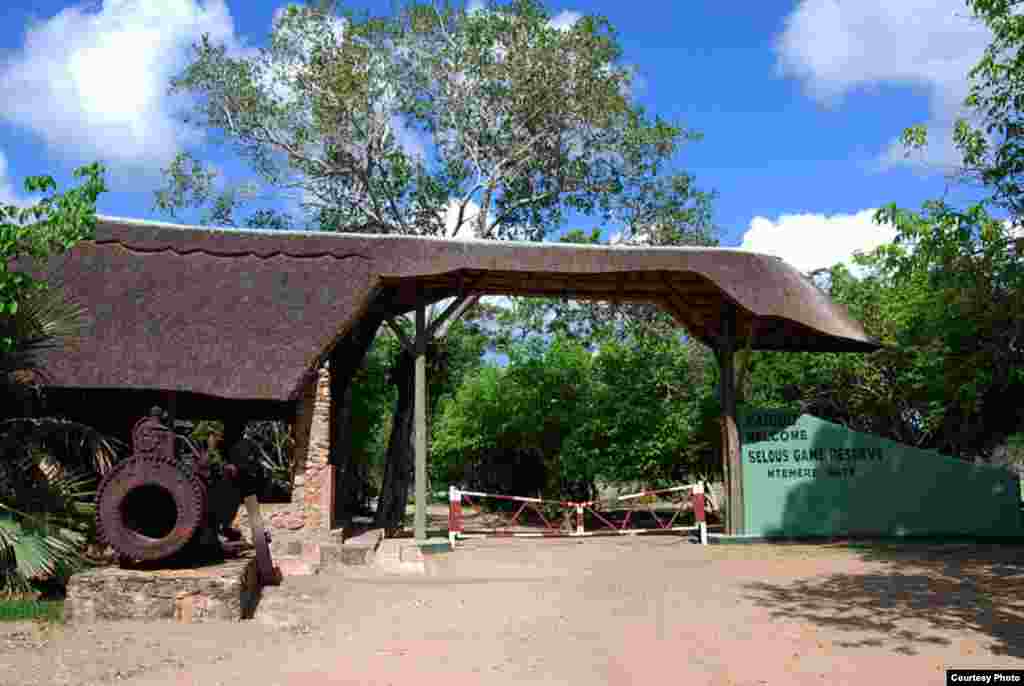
x=149, y=507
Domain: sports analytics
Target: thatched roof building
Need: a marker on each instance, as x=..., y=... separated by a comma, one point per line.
x=248, y=315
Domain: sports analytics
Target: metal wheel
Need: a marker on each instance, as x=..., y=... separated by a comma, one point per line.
x=148, y=508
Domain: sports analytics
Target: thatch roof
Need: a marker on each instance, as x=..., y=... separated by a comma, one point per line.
x=245, y=314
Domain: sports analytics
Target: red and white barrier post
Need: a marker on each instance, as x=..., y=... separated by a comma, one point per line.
x=697, y=495
x=455, y=525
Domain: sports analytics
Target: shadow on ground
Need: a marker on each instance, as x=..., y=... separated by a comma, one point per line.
x=918, y=596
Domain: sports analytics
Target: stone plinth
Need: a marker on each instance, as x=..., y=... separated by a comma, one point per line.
x=313, y=480
x=318, y=490
x=228, y=591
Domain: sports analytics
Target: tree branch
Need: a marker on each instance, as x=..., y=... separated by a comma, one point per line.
x=403, y=339
x=439, y=327
x=515, y=205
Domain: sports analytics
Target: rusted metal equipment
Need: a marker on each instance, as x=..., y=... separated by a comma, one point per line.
x=159, y=506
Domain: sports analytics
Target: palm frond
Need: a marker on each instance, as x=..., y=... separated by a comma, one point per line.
x=42, y=552
x=43, y=536
x=83, y=444
x=47, y=465
x=45, y=319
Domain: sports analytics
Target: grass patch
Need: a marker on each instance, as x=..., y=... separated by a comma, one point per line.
x=23, y=609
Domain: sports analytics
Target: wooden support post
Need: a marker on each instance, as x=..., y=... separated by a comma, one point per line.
x=234, y=430
x=346, y=360
x=171, y=401
x=420, y=419
x=731, y=458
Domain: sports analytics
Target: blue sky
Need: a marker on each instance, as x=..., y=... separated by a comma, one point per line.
x=800, y=103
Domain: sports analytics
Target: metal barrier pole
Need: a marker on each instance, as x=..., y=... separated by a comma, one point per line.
x=579, y=519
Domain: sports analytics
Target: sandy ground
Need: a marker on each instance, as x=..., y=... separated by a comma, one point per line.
x=600, y=611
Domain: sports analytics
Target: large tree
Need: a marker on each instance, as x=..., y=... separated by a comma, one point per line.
x=435, y=120
x=962, y=269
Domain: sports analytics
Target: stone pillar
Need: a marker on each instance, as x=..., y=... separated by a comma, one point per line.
x=318, y=482
x=300, y=432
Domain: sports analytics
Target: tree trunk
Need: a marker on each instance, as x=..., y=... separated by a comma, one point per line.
x=351, y=492
x=346, y=360
x=398, y=465
x=400, y=459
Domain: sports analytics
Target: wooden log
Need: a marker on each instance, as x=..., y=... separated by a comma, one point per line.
x=264, y=563
x=731, y=456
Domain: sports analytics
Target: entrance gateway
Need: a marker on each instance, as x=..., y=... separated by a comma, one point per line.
x=239, y=324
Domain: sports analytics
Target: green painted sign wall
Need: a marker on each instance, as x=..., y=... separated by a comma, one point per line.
x=803, y=476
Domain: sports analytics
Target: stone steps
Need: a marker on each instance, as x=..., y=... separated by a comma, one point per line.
x=406, y=556
x=399, y=556
x=305, y=558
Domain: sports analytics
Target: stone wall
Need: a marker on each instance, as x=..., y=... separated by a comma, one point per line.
x=313, y=481
x=225, y=592
x=301, y=426
x=318, y=491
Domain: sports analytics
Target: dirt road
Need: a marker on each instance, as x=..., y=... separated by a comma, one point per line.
x=607, y=611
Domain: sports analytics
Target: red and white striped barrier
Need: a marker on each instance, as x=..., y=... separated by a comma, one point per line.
x=456, y=521
x=696, y=502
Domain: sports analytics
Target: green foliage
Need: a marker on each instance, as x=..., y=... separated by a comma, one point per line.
x=27, y=609
x=274, y=443
x=1015, y=450
x=644, y=414
x=45, y=318
x=45, y=519
x=31, y=234
x=559, y=418
x=48, y=471
x=945, y=299
x=991, y=140
x=520, y=122
x=47, y=465
x=950, y=284
x=200, y=435
x=450, y=360
x=372, y=400
x=991, y=146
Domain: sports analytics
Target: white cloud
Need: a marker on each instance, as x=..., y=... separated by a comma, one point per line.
x=564, y=20
x=837, y=48
x=814, y=241
x=502, y=301
x=467, y=231
x=414, y=143
x=8, y=194
x=92, y=82
x=639, y=237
